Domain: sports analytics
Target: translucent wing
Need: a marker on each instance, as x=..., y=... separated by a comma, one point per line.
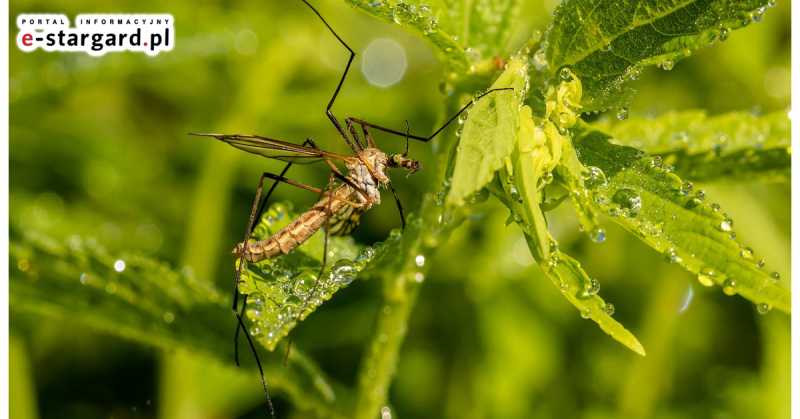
x=345, y=221
x=275, y=149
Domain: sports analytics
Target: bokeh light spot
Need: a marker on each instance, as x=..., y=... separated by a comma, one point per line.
x=384, y=62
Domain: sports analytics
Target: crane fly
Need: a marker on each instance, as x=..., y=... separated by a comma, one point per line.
x=341, y=204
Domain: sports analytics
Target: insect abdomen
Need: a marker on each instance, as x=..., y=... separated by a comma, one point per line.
x=294, y=234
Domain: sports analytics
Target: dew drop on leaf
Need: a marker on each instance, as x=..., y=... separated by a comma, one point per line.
x=671, y=256
x=586, y=313
x=729, y=287
x=628, y=200
x=594, y=287
x=761, y=263
x=706, y=276
x=686, y=187
x=763, y=308
x=593, y=177
x=622, y=113
x=433, y=26
x=343, y=271
x=609, y=309
x=403, y=13
x=726, y=224
x=774, y=275
x=747, y=253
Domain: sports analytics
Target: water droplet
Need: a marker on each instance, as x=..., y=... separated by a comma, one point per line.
x=304, y=283
x=564, y=118
x=566, y=73
x=593, y=177
x=243, y=287
x=747, y=253
x=403, y=13
x=723, y=34
x=635, y=72
x=609, y=309
x=628, y=200
x=168, y=317
x=622, y=113
x=700, y=196
x=598, y=235
x=475, y=96
x=254, y=312
x=433, y=26
x=763, y=308
x=479, y=197
x=706, y=276
x=564, y=287
x=656, y=161
x=758, y=15
x=671, y=256
x=668, y=64
x=344, y=272
x=514, y=194
x=774, y=275
x=586, y=313
x=686, y=187
x=424, y=11
x=726, y=224
x=593, y=288
x=761, y=263
x=729, y=287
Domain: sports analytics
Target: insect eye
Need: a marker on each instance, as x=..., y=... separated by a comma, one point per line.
x=395, y=159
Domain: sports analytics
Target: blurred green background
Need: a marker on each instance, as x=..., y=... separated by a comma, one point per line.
x=98, y=149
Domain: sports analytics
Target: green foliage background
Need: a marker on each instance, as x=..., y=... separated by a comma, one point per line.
x=99, y=156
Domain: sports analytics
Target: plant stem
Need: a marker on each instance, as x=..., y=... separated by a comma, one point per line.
x=380, y=359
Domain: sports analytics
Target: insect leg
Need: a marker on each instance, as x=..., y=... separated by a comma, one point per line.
x=424, y=139
x=338, y=87
x=321, y=271
x=355, y=134
x=275, y=184
x=236, y=296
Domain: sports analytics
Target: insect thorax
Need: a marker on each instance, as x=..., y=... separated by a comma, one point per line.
x=360, y=175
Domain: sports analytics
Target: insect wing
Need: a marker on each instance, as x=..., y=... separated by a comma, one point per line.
x=275, y=149
x=345, y=221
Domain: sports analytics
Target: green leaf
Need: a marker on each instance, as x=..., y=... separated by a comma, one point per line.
x=607, y=43
x=536, y=153
x=567, y=274
x=147, y=301
x=667, y=214
x=489, y=133
x=733, y=147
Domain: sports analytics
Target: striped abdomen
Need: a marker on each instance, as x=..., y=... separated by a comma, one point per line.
x=298, y=231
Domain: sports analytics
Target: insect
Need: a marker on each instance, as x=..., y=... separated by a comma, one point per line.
x=341, y=204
